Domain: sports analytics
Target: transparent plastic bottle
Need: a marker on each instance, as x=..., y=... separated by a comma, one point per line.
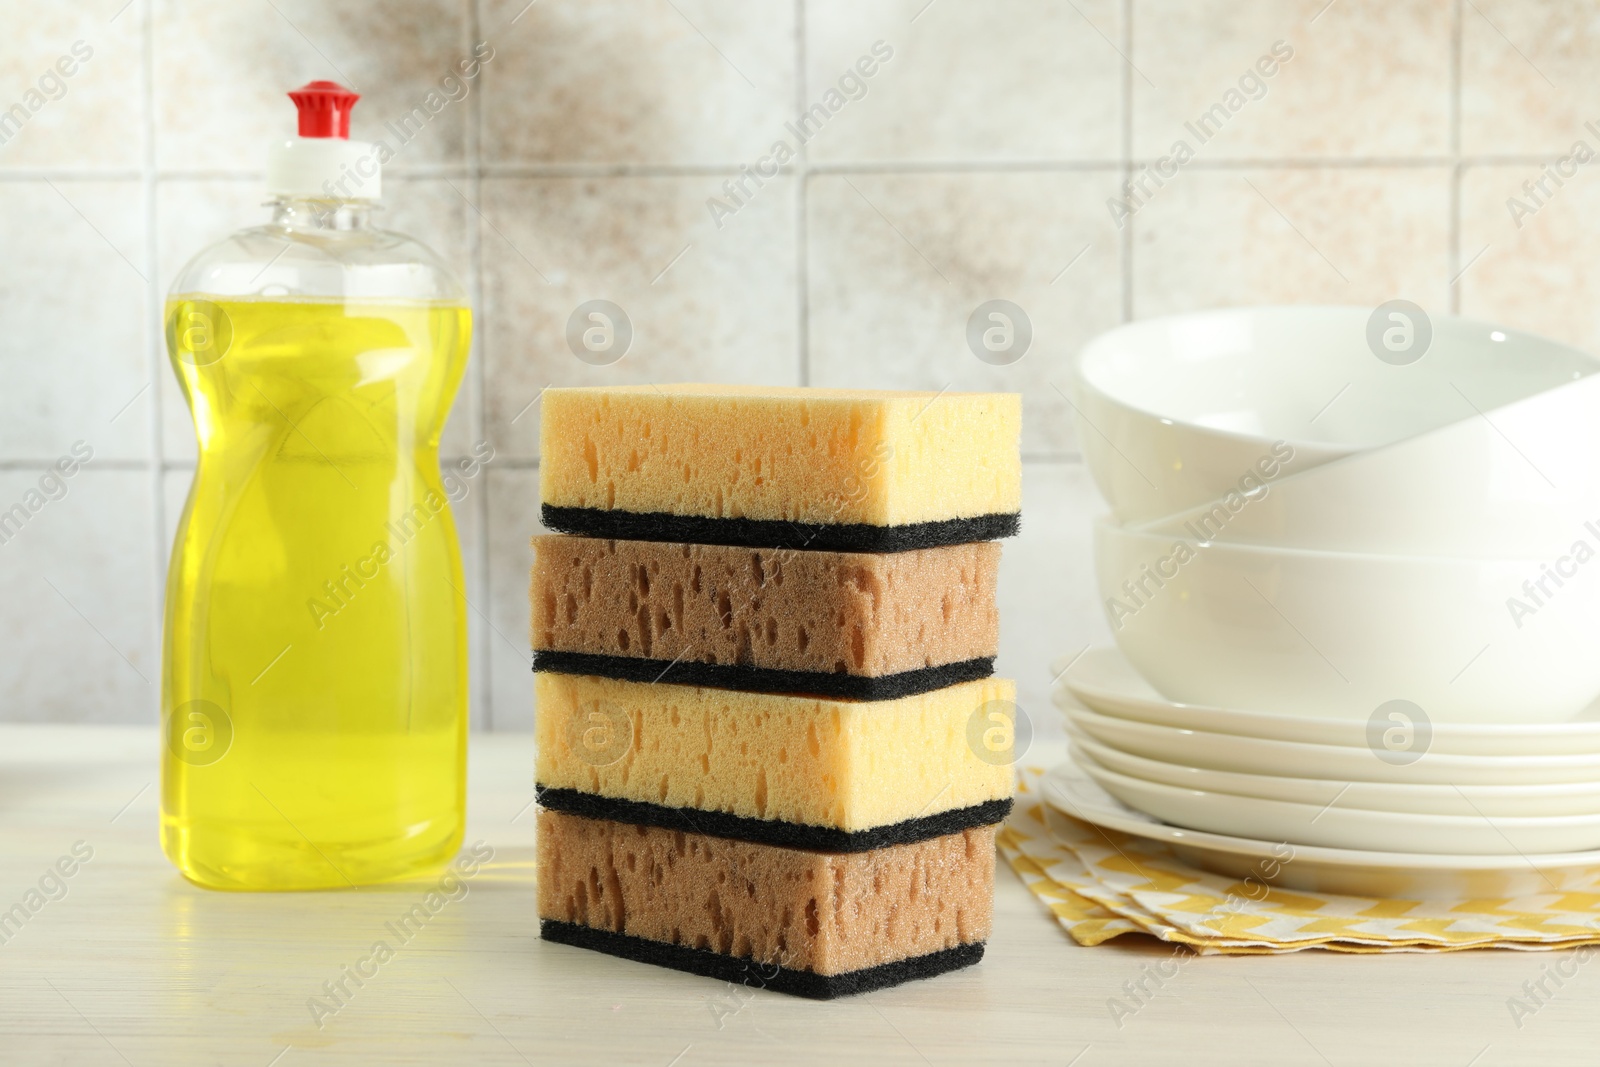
x=314, y=685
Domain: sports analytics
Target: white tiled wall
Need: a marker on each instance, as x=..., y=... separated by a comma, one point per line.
x=1376, y=163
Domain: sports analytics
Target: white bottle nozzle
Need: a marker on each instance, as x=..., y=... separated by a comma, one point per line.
x=322, y=162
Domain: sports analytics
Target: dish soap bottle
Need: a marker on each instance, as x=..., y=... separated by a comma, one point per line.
x=314, y=684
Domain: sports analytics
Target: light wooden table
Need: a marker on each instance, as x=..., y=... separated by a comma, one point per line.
x=134, y=965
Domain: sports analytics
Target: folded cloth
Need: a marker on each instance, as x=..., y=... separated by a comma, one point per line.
x=1101, y=884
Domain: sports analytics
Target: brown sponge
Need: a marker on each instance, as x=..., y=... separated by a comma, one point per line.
x=861, y=625
x=804, y=914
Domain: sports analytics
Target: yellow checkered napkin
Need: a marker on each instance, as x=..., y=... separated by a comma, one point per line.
x=1101, y=884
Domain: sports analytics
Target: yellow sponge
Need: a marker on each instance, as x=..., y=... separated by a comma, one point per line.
x=764, y=758
x=827, y=457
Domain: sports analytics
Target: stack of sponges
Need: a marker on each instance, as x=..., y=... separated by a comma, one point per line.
x=770, y=749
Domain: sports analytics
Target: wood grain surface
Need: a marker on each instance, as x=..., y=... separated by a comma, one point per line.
x=125, y=962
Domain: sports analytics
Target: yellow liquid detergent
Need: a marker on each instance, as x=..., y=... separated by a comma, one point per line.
x=314, y=694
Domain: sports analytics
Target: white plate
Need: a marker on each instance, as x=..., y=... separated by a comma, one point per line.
x=1256, y=755
x=1493, y=801
x=1333, y=826
x=1103, y=679
x=1396, y=875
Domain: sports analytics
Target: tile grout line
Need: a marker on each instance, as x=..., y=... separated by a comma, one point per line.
x=509, y=463
x=802, y=236
x=435, y=172
x=40, y=464
x=1125, y=234
x=155, y=348
x=1453, y=248
x=1455, y=80
x=478, y=680
x=1453, y=252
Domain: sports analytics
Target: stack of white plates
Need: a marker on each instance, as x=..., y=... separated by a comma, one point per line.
x=1478, y=789
x=1355, y=591
x=1357, y=872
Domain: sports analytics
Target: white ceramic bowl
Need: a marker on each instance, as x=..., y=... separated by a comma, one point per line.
x=1291, y=759
x=1337, y=635
x=1102, y=680
x=1337, y=827
x=1523, y=483
x=1482, y=801
x=1174, y=412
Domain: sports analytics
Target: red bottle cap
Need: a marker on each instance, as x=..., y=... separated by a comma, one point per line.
x=324, y=109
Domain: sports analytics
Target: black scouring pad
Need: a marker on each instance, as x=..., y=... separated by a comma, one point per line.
x=776, y=533
x=765, y=679
x=710, y=964
x=773, y=831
